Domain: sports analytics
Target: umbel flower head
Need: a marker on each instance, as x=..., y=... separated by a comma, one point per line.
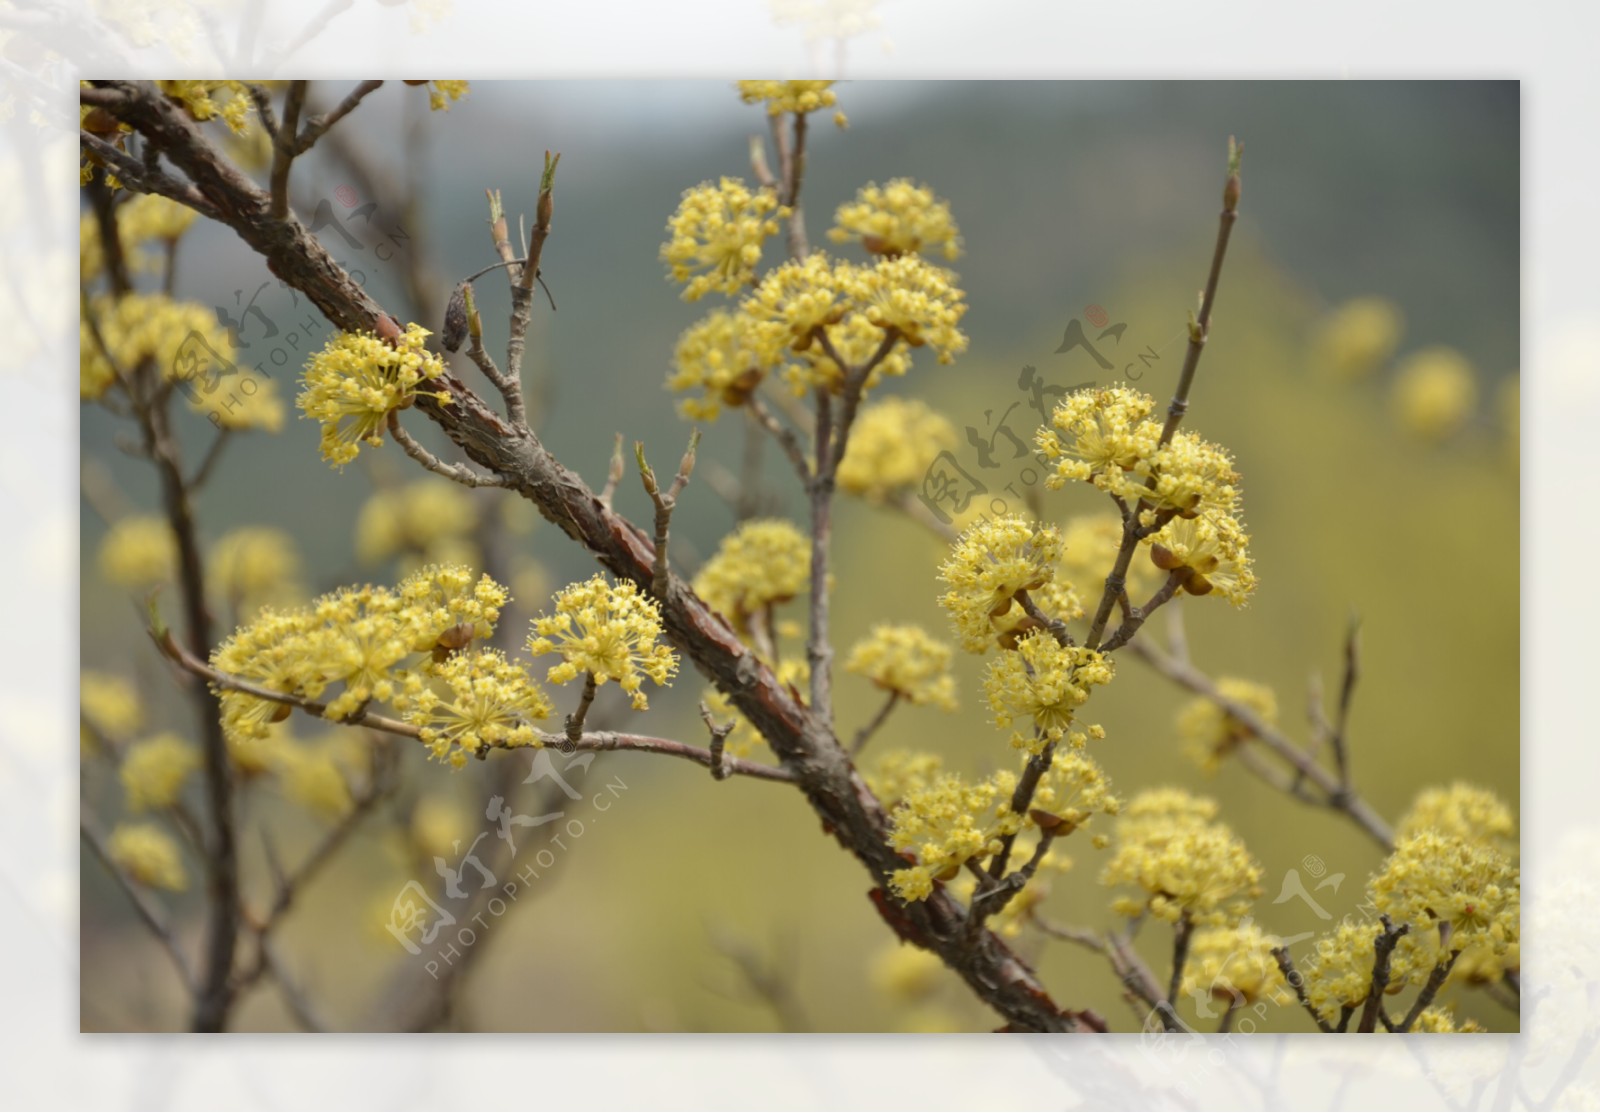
x=763, y=563
x=715, y=356
x=906, y=661
x=357, y=379
x=611, y=632
x=255, y=565
x=1463, y=890
x=1212, y=554
x=1182, y=862
x=1338, y=975
x=789, y=96
x=716, y=236
x=149, y=855
x=1435, y=392
x=181, y=339
x=898, y=219
x=154, y=770
x=1043, y=683
x=138, y=551
x=1234, y=965
x=1210, y=733
x=988, y=565
x=430, y=517
x=1357, y=338
x=892, y=445
x=205, y=100
x=473, y=701
x=1461, y=811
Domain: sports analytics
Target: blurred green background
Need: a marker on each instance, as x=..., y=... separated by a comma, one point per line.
x=1068, y=194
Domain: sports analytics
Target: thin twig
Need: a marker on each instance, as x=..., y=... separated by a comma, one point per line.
x=1182, y=932
x=1430, y=990
x=458, y=473
x=719, y=740
x=318, y=126
x=1382, y=953
x=665, y=502
x=786, y=437
x=1297, y=982
x=613, y=474
x=284, y=148
x=864, y=735
x=151, y=916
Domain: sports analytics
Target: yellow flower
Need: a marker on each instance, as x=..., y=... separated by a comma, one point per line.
x=240, y=402
x=897, y=773
x=140, y=219
x=1210, y=733
x=1169, y=847
x=439, y=825
x=206, y=100
x=1357, y=338
x=763, y=563
x=138, y=552
x=905, y=972
x=988, y=565
x=717, y=232
x=1339, y=973
x=1435, y=392
x=181, y=339
x=441, y=94
x=1462, y=811
x=915, y=298
x=857, y=341
x=1042, y=683
x=906, y=661
x=154, y=769
x=1099, y=437
x=892, y=445
x=1213, y=554
x=1441, y=1019
x=1435, y=880
x=480, y=701
x=716, y=357
x=110, y=703
x=789, y=96
x=896, y=219
x=311, y=776
x=149, y=855
x=609, y=631
x=255, y=565
x=1234, y=964
x=353, y=383
x=447, y=605
x=426, y=517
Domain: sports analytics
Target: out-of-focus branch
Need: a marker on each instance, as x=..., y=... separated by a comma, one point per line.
x=151, y=916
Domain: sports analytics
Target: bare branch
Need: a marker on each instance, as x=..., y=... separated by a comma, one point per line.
x=318, y=126
x=1297, y=982
x=284, y=148
x=864, y=735
x=1382, y=952
x=719, y=739
x=665, y=502
x=458, y=473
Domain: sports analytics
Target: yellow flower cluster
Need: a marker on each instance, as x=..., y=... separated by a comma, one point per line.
x=1435, y=392
x=1441, y=1020
x=989, y=564
x=1338, y=975
x=153, y=327
x=898, y=219
x=895, y=774
x=442, y=94
x=353, y=383
x=477, y=700
x=1469, y=890
x=906, y=661
x=904, y=972
x=140, y=219
x=110, y=704
x=154, y=770
x=1043, y=683
x=716, y=357
x=941, y=821
x=357, y=637
x=1462, y=811
x=609, y=631
x=255, y=566
x=1107, y=437
x=149, y=855
x=429, y=520
x=311, y=775
x=763, y=563
x=946, y=823
x=789, y=96
x=892, y=445
x=205, y=100
x=138, y=551
x=797, y=301
x=716, y=236
x=1170, y=847
x=1234, y=964
x=1357, y=338
x=1210, y=733
x=1212, y=553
